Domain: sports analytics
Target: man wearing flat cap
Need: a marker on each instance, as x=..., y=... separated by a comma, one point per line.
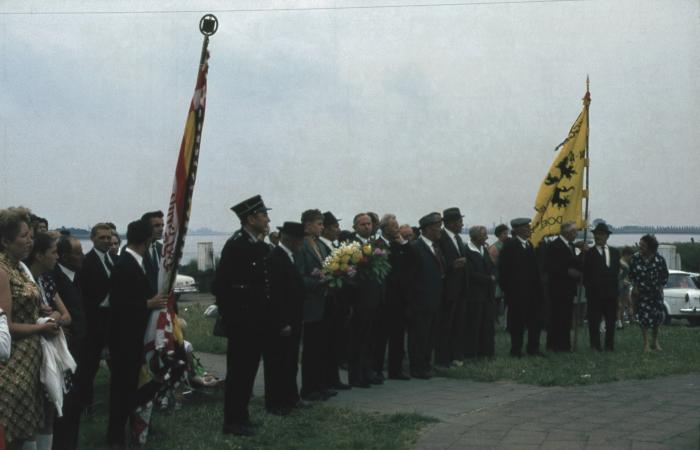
x=521, y=284
x=427, y=275
x=242, y=289
x=450, y=332
x=601, y=266
x=287, y=299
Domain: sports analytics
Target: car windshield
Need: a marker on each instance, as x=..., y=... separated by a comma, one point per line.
x=682, y=281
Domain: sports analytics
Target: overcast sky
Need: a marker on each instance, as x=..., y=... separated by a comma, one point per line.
x=404, y=110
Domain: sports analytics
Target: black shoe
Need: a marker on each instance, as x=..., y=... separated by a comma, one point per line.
x=328, y=393
x=238, y=429
x=301, y=404
x=399, y=376
x=380, y=375
x=314, y=396
x=360, y=384
x=340, y=386
x=376, y=380
x=516, y=355
x=420, y=374
x=537, y=353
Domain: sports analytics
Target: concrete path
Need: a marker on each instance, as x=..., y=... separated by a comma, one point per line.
x=662, y=413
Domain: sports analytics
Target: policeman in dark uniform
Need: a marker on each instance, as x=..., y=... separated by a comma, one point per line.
x=242, y=289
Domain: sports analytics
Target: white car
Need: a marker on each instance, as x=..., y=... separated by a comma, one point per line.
x=682, y=296
x=184, y=284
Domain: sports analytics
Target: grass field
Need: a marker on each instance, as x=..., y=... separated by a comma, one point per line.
x=681, y=354
x=197, y=425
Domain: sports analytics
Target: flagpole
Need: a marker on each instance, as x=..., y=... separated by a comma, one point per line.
x=577, y=309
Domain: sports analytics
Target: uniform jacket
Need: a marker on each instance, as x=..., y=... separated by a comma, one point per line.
x=241, y=283
x=601, y=281
x=519, y=273
x=287, y=291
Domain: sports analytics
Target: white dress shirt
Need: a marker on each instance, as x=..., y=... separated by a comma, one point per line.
x=523, y=242
x=137, y=257
x=428, y=242
x=474, y=248
x=328, y=242
x=604, y=251
x=453, y=238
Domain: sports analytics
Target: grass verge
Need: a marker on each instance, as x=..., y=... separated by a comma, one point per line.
x=197, y=425
x=680, y=355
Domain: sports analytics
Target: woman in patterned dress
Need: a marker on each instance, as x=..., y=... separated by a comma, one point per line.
x=649, y=274
x=21, y=394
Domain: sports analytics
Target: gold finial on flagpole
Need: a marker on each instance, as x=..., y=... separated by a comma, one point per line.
x=587, y=97
x=588, y=83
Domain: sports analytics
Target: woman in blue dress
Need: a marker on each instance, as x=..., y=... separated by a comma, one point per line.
x=649, y=274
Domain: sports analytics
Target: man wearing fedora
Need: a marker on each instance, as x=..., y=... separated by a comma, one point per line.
x=449, y=347
x=427, y=276
x=287, y=299
x=522, y=287
x=601, y=266
x=242, y=289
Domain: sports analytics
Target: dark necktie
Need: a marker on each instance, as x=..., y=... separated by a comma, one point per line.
x=572, y=248
x=460, y=244
x=440, y=259
x=108, y=262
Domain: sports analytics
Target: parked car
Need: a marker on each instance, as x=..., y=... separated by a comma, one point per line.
x=682, y=296
x=184, y=284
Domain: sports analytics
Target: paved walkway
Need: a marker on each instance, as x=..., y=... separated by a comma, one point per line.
x=662, y=413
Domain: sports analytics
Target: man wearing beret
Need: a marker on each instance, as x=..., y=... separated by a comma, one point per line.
x=521, y=285
x=601, y=266
x=427, y=276
x=242, y=289
x=449, y=346
x=287, y=298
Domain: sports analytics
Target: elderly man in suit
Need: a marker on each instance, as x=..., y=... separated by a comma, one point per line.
x=242, y=289
x=481, y=307
x=522, y=288
x=70, y=257
x=287, y=294
x=317, y=357
x=449, y=348
x=601, y=268
x=564, y=269
x=132, y=298
x=94, y=279
x=427, y=276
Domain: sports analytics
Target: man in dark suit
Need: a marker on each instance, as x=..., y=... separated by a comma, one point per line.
x=391, y=327
x=481, y=305
x=450, y=331
x=601, y=268
x=564, y=268
x=522, y=288
x=242, y=289
x=132, y=298
x=154, y=252
x=287, y=294
x=317, y=363
x=366, y=299
x=94, y=281
x=427, y=275
x=70, y=262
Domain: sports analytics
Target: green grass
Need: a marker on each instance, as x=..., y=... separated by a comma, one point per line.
x=199, y=329
x=680, y=355
x=197, y=425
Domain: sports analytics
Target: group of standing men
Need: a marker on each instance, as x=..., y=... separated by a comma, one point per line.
x=439, y=292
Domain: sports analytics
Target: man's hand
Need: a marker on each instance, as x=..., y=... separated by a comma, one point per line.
x=157, y=302
x=286, y=331
x=459, y=262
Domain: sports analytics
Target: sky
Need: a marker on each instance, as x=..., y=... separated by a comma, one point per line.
x=394, y=109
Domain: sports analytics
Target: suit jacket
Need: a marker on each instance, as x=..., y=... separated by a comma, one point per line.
x=94, y=282
x=129, y=291
x=366, y=294
x=427, y=280
x=73, y=300
x=455, y=279
x=307, y=262
x=560, y=259
x=397, y=283
x=480, y=271
x=241, y=283
x=287, y=291
x=152, y=267
x=599, y=280
x=519, y=273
